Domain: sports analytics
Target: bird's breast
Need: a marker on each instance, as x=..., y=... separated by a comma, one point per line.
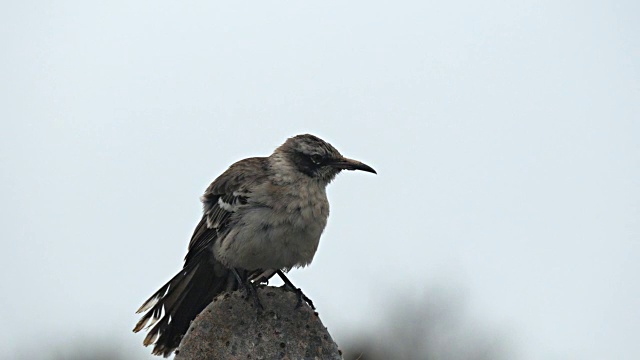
x=282, y=233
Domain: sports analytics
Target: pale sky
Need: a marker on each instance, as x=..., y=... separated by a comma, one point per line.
x=506, y=136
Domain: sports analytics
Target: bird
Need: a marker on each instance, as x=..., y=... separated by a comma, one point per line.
x=262, y=216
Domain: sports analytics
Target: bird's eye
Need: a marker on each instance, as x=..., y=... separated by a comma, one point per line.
x=316, y=159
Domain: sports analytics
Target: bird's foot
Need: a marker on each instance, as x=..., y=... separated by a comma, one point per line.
x=250, y=288
x=301, y=296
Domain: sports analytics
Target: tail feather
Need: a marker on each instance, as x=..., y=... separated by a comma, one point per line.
x=171, y=309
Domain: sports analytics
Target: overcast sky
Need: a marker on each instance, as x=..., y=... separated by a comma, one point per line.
x=506, y=136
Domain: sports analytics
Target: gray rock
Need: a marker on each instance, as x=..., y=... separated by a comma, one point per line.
x=231, y=328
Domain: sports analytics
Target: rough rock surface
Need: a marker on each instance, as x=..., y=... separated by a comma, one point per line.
x=231, y=328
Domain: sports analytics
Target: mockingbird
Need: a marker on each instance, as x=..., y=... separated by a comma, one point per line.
x=262, y=216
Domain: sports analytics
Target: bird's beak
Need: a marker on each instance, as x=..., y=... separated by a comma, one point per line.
x=350, y=164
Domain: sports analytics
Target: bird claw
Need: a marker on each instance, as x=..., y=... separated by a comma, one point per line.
x=289, y=286
x=301, y=297
x=250, y=287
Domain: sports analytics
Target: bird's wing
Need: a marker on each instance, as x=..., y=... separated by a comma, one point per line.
x=225, y=196
x=172, y=308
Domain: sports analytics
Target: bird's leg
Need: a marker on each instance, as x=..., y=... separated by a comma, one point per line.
x=299, y=293
x=250, y=288
x=263, y=277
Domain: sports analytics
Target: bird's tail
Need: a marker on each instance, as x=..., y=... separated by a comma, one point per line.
x=172, y=308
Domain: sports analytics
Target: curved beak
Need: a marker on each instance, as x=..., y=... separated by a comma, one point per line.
x=350, y=164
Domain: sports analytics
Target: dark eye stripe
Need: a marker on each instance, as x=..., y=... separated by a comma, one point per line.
x=316, y=159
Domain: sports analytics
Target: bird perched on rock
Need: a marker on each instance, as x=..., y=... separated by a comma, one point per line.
x=263, y=216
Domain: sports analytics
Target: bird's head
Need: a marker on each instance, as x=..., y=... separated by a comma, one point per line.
x=316, y=158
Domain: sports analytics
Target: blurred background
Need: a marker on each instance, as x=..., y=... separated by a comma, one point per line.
x=503, y=222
